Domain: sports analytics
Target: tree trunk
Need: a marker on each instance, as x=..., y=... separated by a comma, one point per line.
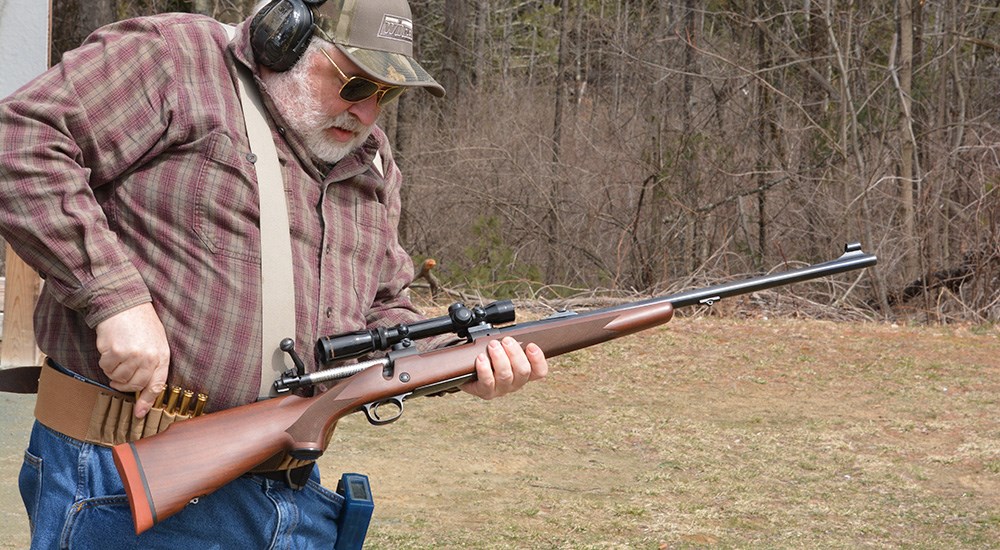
x=689, y=169
x=556, y=181
x=481, y=31
x=455, y=25
x=907, y=179
x=764, y=118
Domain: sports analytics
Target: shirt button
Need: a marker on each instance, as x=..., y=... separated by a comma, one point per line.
x=251, y=157
x=329, y=312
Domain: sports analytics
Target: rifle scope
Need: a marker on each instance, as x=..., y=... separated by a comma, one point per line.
x=459, y=320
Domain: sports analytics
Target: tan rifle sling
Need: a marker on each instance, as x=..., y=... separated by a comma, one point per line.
x=277, y=282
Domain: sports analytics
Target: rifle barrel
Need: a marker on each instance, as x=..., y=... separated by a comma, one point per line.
x=852, y=258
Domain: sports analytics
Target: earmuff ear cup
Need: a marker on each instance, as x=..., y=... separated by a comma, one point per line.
x=280, y=33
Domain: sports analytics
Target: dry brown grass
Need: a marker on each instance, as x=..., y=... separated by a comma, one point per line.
x=706, y=433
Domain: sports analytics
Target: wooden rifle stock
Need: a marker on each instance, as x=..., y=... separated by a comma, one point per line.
x=161, y=474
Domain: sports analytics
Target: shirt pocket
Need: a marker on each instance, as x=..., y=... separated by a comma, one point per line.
x=369, y=249
x=355, y=234
x=227, y=210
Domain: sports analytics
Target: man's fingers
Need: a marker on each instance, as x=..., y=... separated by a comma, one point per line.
x=135, y=354
x=483, y=385
x=519, y=365
x=129, y=376
x=146, y=399
x=505, y=367
x=158, y=381
x=539, y=365
x=503, y=373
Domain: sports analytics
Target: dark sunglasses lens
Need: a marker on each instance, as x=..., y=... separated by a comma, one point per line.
x=358, y=89
x=391, y=94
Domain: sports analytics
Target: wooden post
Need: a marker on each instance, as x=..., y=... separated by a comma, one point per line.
x=25, y=31
x=22, y=286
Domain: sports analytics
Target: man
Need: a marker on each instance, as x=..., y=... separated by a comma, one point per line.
x=127, y=181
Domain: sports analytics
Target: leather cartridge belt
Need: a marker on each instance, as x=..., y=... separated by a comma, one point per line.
x=91, y=412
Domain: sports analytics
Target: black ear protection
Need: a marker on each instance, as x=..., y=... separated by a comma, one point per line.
x=280, y=32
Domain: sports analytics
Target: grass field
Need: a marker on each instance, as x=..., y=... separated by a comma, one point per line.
x=704, y=433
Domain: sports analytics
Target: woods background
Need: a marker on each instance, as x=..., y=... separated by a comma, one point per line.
x=644, y=146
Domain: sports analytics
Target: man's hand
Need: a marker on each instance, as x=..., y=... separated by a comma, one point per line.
x=135, y=354
x=505, y=368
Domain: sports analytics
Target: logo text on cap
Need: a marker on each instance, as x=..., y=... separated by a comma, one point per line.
x=396, y=28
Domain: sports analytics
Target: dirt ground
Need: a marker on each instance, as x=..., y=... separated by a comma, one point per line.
x=704, y=433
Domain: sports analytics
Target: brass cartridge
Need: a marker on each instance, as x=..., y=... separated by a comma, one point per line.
x=175, y=392
x=158, y=404
x=199, y=406
x=185, y=402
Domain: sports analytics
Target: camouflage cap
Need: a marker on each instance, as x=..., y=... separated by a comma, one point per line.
x=377, y=35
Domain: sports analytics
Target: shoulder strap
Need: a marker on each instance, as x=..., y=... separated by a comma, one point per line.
x=276, y=278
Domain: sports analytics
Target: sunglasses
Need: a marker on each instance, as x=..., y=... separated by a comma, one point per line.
x=358, y=88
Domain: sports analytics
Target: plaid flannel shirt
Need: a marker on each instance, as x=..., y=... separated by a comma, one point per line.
x=125, y=178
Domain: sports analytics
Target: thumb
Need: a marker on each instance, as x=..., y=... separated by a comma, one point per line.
x=148, y=394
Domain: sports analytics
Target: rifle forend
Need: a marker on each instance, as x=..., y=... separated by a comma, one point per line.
x=161, y=475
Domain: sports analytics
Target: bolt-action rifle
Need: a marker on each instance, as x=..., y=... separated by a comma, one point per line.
x=161, y=474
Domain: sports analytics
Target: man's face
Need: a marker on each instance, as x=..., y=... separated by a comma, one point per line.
x=308, y=98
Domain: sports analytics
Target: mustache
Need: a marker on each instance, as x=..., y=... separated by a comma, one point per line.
x=347, y=121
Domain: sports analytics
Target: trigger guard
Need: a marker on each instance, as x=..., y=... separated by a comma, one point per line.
x=371, y=411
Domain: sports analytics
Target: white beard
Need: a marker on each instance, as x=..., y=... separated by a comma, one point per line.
x=298, y=102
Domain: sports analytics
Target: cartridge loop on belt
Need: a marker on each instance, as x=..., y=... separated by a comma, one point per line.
x=103, y=416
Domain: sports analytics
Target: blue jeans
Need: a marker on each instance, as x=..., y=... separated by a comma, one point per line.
x=75, y=499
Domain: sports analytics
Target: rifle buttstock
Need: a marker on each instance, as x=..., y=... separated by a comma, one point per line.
x=193, y=458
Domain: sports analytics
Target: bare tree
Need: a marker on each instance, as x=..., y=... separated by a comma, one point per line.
x=639, y=143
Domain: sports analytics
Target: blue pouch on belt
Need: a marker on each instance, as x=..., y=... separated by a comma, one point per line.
x=352, y=526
